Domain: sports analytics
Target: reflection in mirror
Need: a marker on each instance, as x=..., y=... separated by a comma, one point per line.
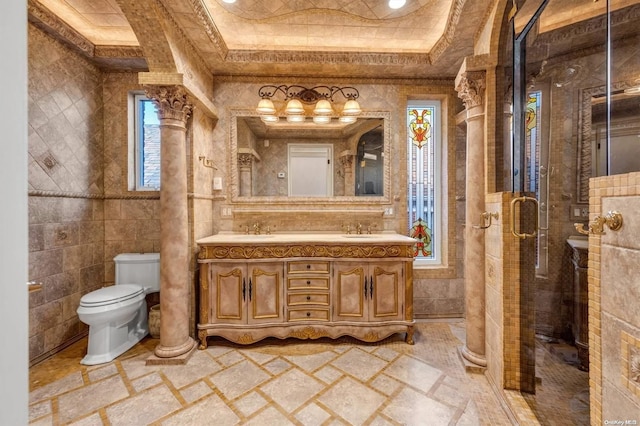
x=619, y=153
x=357, y=162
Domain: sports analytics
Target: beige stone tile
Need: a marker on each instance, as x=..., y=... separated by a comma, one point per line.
x=413, y=372
x=312, y=415
x=359, y=364
x=90, y=398
x=250, y=404
x=39, y=409
x=328, y=374
x=385, y=384
x=143, y=408
x=277, y=366
x=198, y=366
x=239, y=379
x=410, y=407
x=270, y=416
x=66, y=384
x=101, y=373
x=211, y=409
x=310, y=363
x=146, y=382
x=92, y=420
x=195, y=391
x=230, y=358
x=292, y=389
x=352, y=401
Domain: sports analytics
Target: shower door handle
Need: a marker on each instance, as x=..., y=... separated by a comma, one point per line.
x=523, y=200
x=250, y=289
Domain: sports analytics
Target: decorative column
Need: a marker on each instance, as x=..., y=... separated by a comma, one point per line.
x=470, y=87
x=245, y=164
x=173, y=110
x=346, y=161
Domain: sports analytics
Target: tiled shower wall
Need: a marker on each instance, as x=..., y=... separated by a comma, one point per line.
x=66, y=210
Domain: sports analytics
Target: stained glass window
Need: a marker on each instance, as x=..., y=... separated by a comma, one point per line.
x=532, y=142
x=423, y=195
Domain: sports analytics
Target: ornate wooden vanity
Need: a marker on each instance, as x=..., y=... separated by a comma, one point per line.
x=305, y=286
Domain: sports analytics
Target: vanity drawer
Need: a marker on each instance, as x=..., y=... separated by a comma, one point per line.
x=315, y=314
x=294, y=299
x=308, y=283
x=306, y=267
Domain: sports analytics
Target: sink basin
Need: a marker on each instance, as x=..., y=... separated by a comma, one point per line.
x=252, y=237
x=359, y=236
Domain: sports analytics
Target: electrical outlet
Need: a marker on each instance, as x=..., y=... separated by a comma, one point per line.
x=579, y=212
x=388, y=211
x=225, y=212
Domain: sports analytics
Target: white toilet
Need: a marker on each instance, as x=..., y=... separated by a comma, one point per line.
x=117, y=315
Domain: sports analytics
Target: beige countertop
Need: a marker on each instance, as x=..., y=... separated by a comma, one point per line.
x=578, y=242
x=304, y=237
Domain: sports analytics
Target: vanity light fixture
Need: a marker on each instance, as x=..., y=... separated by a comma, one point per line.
x=634, y=89
x=396, y=4
x=295, y=96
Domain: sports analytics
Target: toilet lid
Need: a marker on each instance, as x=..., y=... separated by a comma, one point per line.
x=112, y=294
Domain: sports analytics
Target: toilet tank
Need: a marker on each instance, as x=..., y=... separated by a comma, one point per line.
x=139, y=268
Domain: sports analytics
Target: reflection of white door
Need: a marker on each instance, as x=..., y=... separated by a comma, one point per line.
x=310, y=170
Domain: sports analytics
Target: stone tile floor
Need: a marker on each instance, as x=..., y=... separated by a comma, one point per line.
x=292, y=382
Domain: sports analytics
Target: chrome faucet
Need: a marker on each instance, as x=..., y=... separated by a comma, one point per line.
x=359, y=228
x=256, y=228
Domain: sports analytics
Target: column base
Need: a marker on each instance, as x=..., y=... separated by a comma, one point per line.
x=175, y=355
x=473, y=362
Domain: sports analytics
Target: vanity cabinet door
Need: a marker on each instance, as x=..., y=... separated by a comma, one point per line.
x=368, y=292
x=247, y=293
x=349, y=303
x=387, y=298
x=228, y=300
x=265, y=292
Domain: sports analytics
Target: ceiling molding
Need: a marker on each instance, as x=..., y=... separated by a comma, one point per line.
x=431, y=82
x=303, y=57
x=49, y=22
x=450, y=28
x=117, y=51
x=202, y=13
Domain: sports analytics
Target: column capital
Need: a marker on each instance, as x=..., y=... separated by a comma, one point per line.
x=171, y=101
x=245, y=159
x=471, y=87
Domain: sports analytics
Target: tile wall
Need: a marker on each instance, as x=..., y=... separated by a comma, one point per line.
x=66, y=210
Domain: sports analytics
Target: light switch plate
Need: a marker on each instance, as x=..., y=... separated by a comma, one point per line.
x=217, y=183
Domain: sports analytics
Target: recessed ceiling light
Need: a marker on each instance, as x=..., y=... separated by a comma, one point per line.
x=229, y=1
x=396, y=4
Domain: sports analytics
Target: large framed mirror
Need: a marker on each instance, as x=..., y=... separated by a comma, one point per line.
x=602, y=154
x=287, y=162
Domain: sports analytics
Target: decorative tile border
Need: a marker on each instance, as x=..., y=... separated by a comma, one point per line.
x=630, y=363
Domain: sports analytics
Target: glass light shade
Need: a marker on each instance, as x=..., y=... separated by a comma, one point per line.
x=295, y=118
x=632, y=90
x=396, y=4
x=322, y=119
x=265, y=106
x=347, y=119
x=323, y=107
x=351, y=107
x=269, y=118
x=294, y=106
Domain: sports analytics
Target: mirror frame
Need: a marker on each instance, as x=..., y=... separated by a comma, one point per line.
x=234, y=185
x=585, y=150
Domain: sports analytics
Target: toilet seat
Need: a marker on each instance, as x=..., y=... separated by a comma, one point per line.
x=111, y=295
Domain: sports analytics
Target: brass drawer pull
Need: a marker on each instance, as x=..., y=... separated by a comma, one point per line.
x=308, y=297
x=308, y=282
x=308, y=314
